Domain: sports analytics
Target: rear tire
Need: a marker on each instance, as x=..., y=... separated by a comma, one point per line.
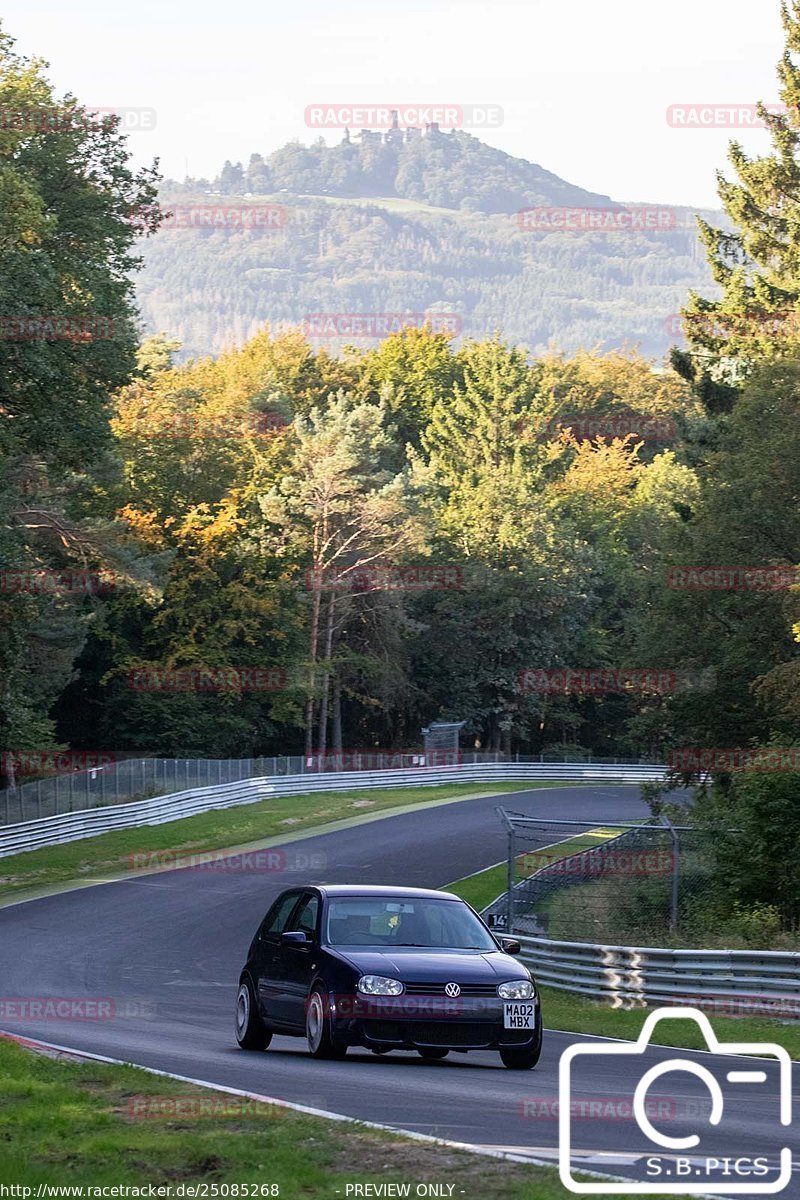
x=318, y=1028
x=523, y=1059
x=251, y=1032
x=432, y=1053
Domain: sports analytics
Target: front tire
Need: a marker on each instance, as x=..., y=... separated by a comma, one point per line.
x=432, y=1053
x=523, y=1058
x=251, y=1032
x=318, y=1028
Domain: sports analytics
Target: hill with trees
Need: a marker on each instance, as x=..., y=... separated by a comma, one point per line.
x=424, y=225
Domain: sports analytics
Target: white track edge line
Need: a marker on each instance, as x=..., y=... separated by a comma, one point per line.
x=318, y=1112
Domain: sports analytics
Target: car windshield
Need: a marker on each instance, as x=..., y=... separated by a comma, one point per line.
x=396, y=921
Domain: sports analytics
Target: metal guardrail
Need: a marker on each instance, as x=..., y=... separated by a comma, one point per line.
x=70, y=827
x=730, y=982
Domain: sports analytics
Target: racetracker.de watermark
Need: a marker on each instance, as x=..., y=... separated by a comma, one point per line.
x=599, y=861
x=201, y=425
x=54, y=762
x=55, y=328
x=207, y=679
x=694, y=759
x=157, y=1108
x=605, y=681
x=57, y=583
x=588, y=426
x=721, y=116
x=742, y=1005
x=601, y=1108
x=380, y=760
x=420, y=577
x=732, y=579
x=402, y=116
x=611, y=219
x=221, y=216
x=419, y=1006
x=69, y=120
x=259, y=862
x=377, y=325
x=73, y=1008
x=750, y=324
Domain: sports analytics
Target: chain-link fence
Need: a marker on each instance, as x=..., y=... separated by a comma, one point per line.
x=631, y=883
x=122, y=779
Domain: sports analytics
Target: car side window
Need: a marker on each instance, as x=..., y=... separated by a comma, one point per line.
x=305, y=919
x=275, y=921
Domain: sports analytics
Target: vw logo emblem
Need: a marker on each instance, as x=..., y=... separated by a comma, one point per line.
x=452, y=989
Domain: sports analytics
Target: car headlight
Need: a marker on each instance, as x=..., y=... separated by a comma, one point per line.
x=517, y=989
x=379, y=985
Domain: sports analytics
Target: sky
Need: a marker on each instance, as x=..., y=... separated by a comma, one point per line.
x=584, y=85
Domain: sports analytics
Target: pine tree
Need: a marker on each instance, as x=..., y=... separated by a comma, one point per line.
x=757, y=264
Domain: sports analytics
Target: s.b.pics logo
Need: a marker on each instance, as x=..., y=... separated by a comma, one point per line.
x=723, y=1094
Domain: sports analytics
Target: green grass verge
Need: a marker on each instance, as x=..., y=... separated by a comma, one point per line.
x=574, y=1013
x=109, y=854
x=86, y=1124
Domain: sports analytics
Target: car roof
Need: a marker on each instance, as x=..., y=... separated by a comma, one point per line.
x=361, y=889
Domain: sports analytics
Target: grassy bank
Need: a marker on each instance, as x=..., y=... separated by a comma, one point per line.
x=281, y=816
x=86, y=1124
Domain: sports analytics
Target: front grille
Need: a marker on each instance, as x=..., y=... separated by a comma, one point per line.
x=467, y=1034
x=459, y=1033
x=383, y=1031
x=432, y=1033
x=437, y=989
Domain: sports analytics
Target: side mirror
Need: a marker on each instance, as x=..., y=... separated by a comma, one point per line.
x=295, y=938
x=510, y=945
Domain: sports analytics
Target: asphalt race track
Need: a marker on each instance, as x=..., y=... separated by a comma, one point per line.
x=166, y=950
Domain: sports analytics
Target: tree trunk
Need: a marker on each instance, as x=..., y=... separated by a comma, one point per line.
x=336, y=731
x=312, y=660
x=326, y=679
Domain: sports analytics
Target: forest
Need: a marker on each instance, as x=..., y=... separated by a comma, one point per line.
x=288, y=546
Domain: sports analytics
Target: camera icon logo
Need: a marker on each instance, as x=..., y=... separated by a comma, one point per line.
x=676, y=1173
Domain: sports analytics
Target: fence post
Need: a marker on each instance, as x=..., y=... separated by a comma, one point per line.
x=676, y=846
x=512, y=862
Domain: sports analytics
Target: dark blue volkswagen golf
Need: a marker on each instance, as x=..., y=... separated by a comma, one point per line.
x=387, y=968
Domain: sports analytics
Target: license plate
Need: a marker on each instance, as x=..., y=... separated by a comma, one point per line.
x=519, y=1014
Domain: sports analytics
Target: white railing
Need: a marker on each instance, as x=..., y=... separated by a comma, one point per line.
x=70, y=827
x=730, y=982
